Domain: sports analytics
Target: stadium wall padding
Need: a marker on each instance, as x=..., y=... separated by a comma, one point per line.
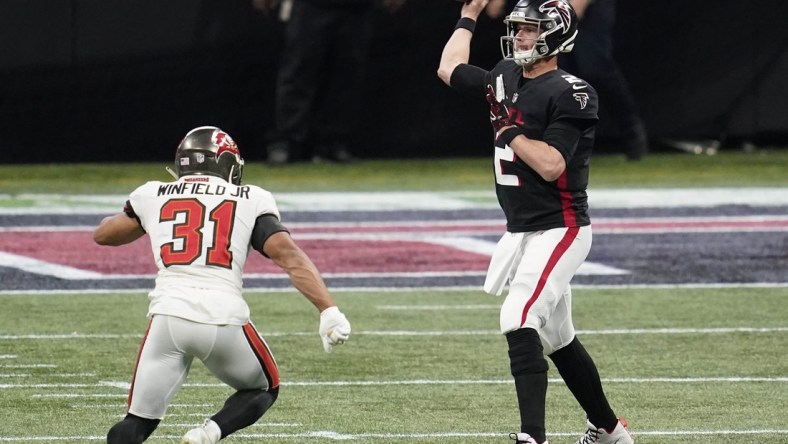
x=123, y=80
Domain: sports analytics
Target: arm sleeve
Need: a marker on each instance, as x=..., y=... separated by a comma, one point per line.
x=129, y=210
x=582, y=107
x=574, y=113
x=470, y=80
x=264, y=227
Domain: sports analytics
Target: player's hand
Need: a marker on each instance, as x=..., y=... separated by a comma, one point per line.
x=334, y=328
x=495, y=9
x=472, y=8
x=265, y=6
x=499, y=113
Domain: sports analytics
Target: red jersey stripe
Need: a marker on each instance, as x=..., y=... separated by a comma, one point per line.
x=566, y=201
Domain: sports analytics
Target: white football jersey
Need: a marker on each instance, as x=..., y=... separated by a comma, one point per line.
x=200, y=229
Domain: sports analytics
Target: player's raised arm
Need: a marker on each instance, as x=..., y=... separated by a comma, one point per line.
x=458, y=48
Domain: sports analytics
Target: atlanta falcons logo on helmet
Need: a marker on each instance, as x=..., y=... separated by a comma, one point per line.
x=558, y=9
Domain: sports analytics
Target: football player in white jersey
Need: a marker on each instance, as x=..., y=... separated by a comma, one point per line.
x=201, y=228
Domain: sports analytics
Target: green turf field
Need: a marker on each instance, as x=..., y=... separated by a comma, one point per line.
x=684, y=365
x=729, y=168
x=704, y=365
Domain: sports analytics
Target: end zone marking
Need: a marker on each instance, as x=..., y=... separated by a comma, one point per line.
x=36, y=266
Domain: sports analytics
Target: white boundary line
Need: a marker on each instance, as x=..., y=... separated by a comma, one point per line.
x=54, y=203
x=408, y=289
x=337, y=436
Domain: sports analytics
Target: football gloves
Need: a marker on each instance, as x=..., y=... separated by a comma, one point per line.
x=499, y=113
x=334, y=328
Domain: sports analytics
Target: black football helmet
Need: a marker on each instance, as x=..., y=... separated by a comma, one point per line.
x=208, y=150
x=557, y=28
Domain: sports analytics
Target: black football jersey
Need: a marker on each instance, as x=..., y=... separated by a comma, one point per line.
x=555, y=98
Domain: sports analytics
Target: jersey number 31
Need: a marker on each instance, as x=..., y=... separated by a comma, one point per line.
x=189, y=232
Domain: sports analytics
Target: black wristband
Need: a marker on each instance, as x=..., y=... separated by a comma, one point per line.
x=509, y=134
x=466, y=23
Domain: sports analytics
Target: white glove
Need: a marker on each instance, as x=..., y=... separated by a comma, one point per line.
x=334, y=328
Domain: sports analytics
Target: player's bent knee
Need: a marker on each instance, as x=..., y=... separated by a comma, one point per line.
x=525, y=352
x=569, y=353
x=269, y=398
x=131, y=430
x=256, y=402
x=243, y=408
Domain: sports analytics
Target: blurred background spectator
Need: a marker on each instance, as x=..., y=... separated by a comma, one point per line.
x=97, y=80
x=321, y=77
x=592, y=60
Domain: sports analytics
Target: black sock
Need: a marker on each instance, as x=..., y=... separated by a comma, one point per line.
x=529, y=369
x=582, y=378
x=131, y=430
x=243, y=409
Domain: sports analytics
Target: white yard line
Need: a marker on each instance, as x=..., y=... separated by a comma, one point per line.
x=124, y=385
x=406, y=333
x=408, y=437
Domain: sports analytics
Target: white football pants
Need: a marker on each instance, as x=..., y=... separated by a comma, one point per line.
x=539, y=266
x=236, y=354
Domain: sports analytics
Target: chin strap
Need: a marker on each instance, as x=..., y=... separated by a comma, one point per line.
x=172, y=173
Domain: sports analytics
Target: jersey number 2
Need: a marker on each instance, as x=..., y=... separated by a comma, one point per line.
x=189, y=232
x=505, y=155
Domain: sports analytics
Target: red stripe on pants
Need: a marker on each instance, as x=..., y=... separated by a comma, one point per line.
x=560, y=249
x=137, y=363
x=264, y=355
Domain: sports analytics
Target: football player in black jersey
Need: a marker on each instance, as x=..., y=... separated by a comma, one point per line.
x=544, y=121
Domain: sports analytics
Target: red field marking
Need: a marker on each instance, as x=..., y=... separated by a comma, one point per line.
x=348, y=247
x=76, y=249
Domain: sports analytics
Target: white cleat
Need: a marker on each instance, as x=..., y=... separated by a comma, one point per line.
x=619, y=435
x=208, y=433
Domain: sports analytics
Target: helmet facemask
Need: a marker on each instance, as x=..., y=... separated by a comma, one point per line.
x=236, y=171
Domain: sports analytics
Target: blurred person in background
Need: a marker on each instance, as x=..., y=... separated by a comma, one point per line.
x=544, y=121
x=321, y=76
x=592, y=59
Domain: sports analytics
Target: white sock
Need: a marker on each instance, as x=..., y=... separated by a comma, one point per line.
x=213, y=430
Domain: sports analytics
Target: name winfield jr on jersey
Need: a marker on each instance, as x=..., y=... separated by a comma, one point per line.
x=208, y=189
